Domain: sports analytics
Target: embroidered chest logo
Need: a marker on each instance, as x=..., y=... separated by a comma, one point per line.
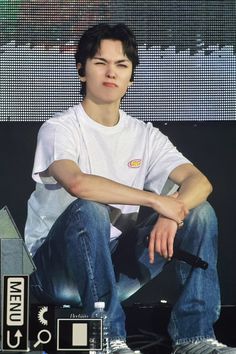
x=136, y=163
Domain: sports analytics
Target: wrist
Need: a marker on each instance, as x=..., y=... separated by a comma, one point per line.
x=179, y=225
x=152, y=200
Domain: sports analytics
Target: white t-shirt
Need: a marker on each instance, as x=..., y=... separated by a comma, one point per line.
x=132, y=152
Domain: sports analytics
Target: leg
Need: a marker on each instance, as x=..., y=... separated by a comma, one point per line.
x=198, y=306
x=74, y=263
x=131, y=259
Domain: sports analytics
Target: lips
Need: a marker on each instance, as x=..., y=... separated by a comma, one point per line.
x=109, y=84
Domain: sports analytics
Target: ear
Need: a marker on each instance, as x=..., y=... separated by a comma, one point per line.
x=82, y=78
x=79, y=68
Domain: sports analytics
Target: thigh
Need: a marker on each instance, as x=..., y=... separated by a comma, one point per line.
x=56, y=277
x=131, y=257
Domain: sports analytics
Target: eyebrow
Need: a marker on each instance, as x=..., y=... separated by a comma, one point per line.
x=117, y=61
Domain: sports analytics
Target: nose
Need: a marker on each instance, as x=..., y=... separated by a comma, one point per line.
x=111, y=72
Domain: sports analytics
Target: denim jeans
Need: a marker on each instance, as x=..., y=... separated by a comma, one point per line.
x=77, y=264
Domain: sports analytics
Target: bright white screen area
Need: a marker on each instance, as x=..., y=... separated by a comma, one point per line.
x=187, y=53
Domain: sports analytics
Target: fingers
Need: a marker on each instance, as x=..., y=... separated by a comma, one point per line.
x=182, y=213
x=183, y=209
x=161, y=243
x=173, y=208
x=151, y=249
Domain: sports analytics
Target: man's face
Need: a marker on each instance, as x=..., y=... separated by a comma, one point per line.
x=108, y=73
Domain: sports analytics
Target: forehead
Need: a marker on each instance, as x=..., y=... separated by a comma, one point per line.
x=111, y=48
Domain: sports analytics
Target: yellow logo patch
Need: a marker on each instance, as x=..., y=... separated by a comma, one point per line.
x=136, y=163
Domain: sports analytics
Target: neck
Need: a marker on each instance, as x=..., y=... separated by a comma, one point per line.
x=105, y=114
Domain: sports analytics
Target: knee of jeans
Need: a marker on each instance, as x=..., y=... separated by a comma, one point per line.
x=203, y=214
x=90, y=210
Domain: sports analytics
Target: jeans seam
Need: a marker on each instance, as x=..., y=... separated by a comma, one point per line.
x=89, y=265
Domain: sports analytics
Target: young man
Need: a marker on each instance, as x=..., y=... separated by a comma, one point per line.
x=94, y=167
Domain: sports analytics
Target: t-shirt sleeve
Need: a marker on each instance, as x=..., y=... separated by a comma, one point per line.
x=56, y=141
x=163, y=159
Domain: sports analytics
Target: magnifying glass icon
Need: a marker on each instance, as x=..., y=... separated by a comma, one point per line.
x=44, y=336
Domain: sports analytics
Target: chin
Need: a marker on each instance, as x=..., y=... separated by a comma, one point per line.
x=109, y=100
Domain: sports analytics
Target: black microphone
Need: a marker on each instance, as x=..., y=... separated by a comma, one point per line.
x=189, y=258
x=186, y=257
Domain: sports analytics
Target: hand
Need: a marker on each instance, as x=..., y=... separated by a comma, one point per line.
x=172, y=208
x=162, y=238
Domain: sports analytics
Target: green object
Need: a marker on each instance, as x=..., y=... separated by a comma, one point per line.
x=9, y=11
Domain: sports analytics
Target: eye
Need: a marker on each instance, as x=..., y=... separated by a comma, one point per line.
x=99, y=63
x=123, y=65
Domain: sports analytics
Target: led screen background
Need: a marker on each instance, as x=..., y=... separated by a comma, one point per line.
x=187, y=52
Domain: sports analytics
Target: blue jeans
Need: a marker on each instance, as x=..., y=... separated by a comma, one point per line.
x=77, y=264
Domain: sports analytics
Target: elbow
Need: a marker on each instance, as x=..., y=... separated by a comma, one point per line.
x=73, y=190
x=209, y=187
x=75, y=187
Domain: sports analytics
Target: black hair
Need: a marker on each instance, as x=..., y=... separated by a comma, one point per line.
x=90, y=43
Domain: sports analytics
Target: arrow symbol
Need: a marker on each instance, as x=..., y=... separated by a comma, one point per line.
x=18, y=335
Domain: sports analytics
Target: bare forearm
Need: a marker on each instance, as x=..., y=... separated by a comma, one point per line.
x=97, y=188
x=195, y=190
x=106, y=191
